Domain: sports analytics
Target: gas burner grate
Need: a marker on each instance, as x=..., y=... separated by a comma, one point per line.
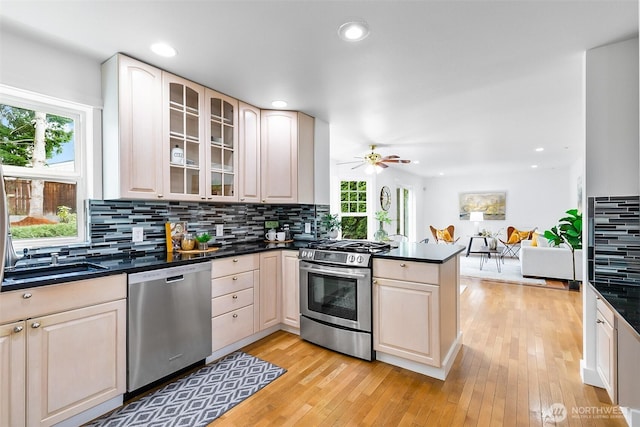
x=361, y=246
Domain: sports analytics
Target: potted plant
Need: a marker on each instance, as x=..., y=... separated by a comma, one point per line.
x=491, y=236
x=331, y=224
x=569, y=232
x=203, y=241
x=383, y=218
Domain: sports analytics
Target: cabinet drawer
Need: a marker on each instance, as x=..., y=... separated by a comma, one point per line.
x=231, y=327
x=605, y=311
x=411, y=271
x=233, y=265
x=39, y=301
x=234, y=283
x=233, y=301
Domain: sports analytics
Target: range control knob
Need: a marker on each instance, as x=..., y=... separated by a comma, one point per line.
x=360, y=259
x=352, y=259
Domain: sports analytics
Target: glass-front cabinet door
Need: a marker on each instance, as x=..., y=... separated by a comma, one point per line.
x=184, y=153
x=222, y=142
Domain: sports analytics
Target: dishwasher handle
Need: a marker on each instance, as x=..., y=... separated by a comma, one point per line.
x=174, y=279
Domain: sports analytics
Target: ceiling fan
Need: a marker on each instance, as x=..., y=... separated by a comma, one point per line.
x=374, y=160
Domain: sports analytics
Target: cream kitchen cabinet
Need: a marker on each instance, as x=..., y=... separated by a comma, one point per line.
x=221, y=134
x=416, y=314
x=183, y=130
x=234, y=284
x=132, y=129
x=64, y=346
x=249, y=146
x=290, y=289
x=270, y=289
x=286, y=157
x=606, y=348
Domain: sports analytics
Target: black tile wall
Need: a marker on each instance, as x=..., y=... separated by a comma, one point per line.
x=614, y=240
x=110, y=223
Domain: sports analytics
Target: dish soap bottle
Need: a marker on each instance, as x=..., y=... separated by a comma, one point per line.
x=177, y=155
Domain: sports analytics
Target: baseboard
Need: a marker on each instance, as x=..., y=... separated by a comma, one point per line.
x=590, y=376
x=631, y=416
x=93, y=413
x=430, y=371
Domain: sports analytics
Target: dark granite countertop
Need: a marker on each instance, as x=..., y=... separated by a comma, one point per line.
x=623, y=299
x=128, y=263
x=421, y=252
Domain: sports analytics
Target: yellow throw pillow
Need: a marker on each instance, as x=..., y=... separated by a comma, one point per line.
x=444, y=235
x=534, y=239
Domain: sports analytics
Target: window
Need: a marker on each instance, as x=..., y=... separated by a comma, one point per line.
x=353, y=209
x=42, y=147
x=403, y=211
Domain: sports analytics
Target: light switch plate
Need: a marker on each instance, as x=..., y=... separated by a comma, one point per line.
x=137, y=234
x=219, y=230
x=307, y=227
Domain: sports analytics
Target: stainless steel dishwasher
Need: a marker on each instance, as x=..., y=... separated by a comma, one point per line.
x=169, y=321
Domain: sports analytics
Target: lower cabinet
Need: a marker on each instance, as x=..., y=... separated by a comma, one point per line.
x=234, y=282
x=270, y=289
x=406, y=320
x=56, y=365
x=290, y=289
x=606, y=348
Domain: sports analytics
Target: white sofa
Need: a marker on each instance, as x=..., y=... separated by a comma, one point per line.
x=549, y=262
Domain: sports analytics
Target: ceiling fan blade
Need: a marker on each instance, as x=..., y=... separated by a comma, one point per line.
x=356, y=167
x=382, y=165
x=393, y=156
x=349, y=163
x=396, y=161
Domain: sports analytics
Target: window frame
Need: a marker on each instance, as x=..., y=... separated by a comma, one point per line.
x=368, y=193
x=83, y=141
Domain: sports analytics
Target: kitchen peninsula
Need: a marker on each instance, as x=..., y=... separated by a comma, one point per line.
x=416, y=307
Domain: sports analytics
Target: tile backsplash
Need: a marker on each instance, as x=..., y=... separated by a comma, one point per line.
x=614, y=240
x=110, y=223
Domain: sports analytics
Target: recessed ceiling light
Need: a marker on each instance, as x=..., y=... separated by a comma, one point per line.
x=534, y=166
x=163, y=49
x=416, y=162
x=278, y=104
x=441, y=174
x=353, y=31
x=539, y=149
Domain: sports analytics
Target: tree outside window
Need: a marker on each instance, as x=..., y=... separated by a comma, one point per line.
x=38, y=154
x=353, y=209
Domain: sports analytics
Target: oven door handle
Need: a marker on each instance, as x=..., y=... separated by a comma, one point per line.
x=337, y=271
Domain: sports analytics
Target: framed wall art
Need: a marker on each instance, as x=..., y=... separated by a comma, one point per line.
x=492, y=205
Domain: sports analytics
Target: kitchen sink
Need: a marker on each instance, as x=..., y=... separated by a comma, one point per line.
x=49, y=272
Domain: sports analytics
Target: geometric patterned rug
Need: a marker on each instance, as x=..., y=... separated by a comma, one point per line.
x=199, y=398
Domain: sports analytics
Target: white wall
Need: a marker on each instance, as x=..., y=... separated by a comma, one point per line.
x=534, y=198
x=33, y=64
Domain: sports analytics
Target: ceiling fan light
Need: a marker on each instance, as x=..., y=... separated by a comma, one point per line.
x=369, y=169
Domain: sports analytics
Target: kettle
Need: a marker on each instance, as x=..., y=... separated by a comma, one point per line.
x=271, y=235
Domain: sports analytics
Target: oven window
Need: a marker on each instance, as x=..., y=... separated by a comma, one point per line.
x=334, y=296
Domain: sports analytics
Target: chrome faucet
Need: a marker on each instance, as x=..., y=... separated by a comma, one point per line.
x=10, y=257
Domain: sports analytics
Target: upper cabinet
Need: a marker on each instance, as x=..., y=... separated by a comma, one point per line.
x=249, y=145
x=183, y=156
x=132, y=129
x=222, y=142
x=287, y=168
x=169, y=138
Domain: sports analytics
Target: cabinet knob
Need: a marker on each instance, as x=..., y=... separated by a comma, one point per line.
x=202, y=198
x=27, y=295
x=35, y=325
x=160, y=196
x=242, y=199
x=18, y=329
x=235, y=315
x=403, y=264
x=235, y=297
x=599, y=321
x=264, y=200
x=375, y=282
x=234, y=278
x=235, y=260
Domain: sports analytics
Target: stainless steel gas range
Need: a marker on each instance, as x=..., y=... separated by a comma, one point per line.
x=336, y=295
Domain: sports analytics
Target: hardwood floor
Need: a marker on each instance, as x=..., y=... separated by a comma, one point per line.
x=521, y=354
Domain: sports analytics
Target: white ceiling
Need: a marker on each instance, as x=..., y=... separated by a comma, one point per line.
x=461, y=86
